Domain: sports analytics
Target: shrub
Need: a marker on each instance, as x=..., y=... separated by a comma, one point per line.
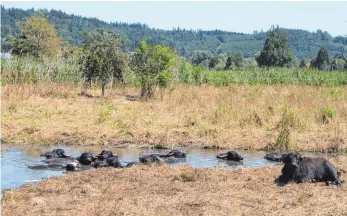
x=327, y=114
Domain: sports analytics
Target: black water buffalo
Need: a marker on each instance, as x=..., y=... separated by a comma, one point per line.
x=77, y=166
x=306, y=170
x=73, y=166
x=173, y=153
x=111, y=161
x=230, y=155
x=56, y=153
x=47, y=167
x=173, y=156
x=104, y=154
x=275, y=156
x=106, y=159
x=152, y=158
x=86, y=158
x=61, y=161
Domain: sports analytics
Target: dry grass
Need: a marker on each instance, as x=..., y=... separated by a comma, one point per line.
x=235, y=117
x=162, y=190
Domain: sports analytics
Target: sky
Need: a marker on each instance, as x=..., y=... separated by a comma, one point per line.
x=230, y=16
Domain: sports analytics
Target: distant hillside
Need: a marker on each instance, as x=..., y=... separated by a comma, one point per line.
x=304, y=44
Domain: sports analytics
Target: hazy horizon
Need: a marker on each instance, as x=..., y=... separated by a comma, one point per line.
x=244, y=17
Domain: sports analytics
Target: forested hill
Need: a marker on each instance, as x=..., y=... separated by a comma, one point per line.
x=304, y=44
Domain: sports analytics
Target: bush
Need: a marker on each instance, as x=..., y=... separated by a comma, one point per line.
x=327, y=114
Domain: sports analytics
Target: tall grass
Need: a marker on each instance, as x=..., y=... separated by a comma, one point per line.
x=32, y=70
x=272, y=76
x=67, y=71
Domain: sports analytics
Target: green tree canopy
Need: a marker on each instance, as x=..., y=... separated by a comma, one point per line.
x=213, y=62
x=322, y=60
x=276, y=51
x=37, y=37
x=201, y=57
x=152, y=63
x=103, y=59
x=236, y=59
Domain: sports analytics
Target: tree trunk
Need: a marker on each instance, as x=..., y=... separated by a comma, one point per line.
x=103, y=84
x=146, y=90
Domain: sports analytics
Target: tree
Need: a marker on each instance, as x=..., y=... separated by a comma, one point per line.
x=37, y=37
x=201, y=57
x=234, y=58
x=213, y=62
x=152, y=63
x=103, y=59
x=337, y=64
x=276, y=51
x=322, y=60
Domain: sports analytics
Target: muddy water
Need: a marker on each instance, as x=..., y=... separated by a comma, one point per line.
x=15, y=173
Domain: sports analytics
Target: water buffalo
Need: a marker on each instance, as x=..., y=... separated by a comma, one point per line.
x=106, y=159
x=47, y=167
x=275, y=156
x=56, y=153
x=61, y=161
x=173, y=156
x=230, y=155
x=173, y=153
x=152, y=158
x=104, y=154
x=73, y=166
x=111, y=161
x=77, y=166
x=86, y=158
x=306, y=170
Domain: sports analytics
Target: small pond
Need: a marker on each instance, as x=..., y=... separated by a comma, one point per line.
x=15, y=159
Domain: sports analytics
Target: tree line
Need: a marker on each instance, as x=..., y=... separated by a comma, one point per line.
x=103, y=56
x=304, y=44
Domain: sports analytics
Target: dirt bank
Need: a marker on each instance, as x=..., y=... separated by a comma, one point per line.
x=162, y=190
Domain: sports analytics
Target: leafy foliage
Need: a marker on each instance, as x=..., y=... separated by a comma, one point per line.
x=202, y=57
x=213, y=62
x=276, y=51
x=37, y=37
x=337, y=64
x=234, y=59
x=103, y=59
x=152, y=63
x=322, y=60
